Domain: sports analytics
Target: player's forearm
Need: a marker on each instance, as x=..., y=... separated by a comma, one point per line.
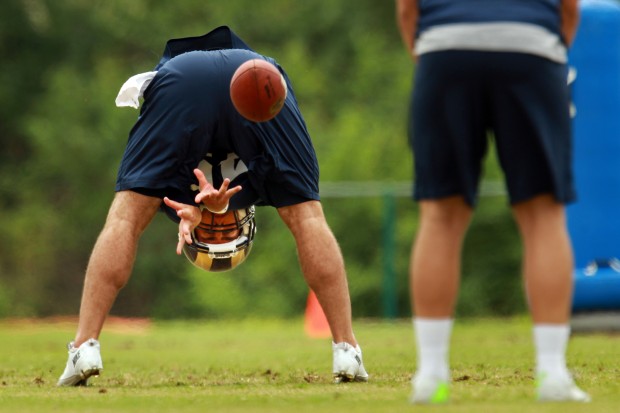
x=407, y=19
x=569, y=15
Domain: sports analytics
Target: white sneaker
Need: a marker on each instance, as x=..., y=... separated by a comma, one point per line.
x=429, y=390
x=348, y=364
x=560, y=390
x=83, y=362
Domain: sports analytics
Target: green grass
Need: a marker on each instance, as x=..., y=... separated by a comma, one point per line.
x=271, y=366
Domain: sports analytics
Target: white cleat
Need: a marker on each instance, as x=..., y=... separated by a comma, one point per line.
x=348, y=364
x=560, y=390
x=84, y=362
x=429, y=390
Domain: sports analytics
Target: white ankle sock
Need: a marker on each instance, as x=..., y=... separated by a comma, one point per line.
x=550, y=342
x=433, y=342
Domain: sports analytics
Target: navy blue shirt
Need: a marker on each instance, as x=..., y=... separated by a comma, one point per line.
x=187, y=116
x=543, y=13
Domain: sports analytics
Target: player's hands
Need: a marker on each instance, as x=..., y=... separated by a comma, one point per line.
x=215, y=200
x=190, y=218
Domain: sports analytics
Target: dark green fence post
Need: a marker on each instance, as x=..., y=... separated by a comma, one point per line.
x=389, y=296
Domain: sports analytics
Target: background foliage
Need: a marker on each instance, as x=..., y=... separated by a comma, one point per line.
x=61, y=139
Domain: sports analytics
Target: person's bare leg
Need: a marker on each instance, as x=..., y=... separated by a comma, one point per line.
x=547, y=259
x=434, y=281
x=547, y=272
x=112, y=259
x=435, y=265
x=322, y=265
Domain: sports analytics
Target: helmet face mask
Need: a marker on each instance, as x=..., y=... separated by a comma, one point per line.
x=222, y=242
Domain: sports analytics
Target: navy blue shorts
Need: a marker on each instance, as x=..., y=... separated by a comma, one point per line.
x=461, y=99
x=187, y=113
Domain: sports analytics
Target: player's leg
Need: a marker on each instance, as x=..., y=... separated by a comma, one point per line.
x=533, y=137
x=436, y=256
x=547, y=272
x=448, y=133
x=323, y=267
x=547, y=260
x=434, y=279
x=108, y=271
x=112, y=259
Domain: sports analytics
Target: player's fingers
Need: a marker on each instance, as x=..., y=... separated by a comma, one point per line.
x=180, y=244
x=200, y=176
x=203, y=183
x=204, y=194
x=171, y=203
x=233, y=191
x=185, y=237
x=224, y=186
x=225, y=193
x=185, y=213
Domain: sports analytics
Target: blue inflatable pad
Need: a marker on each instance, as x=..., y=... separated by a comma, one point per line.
x=597, y=286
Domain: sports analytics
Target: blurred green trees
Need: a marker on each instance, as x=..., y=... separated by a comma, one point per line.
x=61, y=139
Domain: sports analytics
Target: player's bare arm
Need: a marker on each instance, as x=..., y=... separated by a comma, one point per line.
x=569, y=13
x=407, y=19
x=215, y=200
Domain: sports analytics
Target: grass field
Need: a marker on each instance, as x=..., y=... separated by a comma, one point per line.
x=271, y=366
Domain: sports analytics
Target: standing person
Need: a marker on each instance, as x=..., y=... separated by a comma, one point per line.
x=500, y=66
x=187, y=128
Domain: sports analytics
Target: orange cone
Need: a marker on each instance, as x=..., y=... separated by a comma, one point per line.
x=316, y=323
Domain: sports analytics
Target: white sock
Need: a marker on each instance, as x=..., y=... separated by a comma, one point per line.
x=550, y=342
x=433, y=342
